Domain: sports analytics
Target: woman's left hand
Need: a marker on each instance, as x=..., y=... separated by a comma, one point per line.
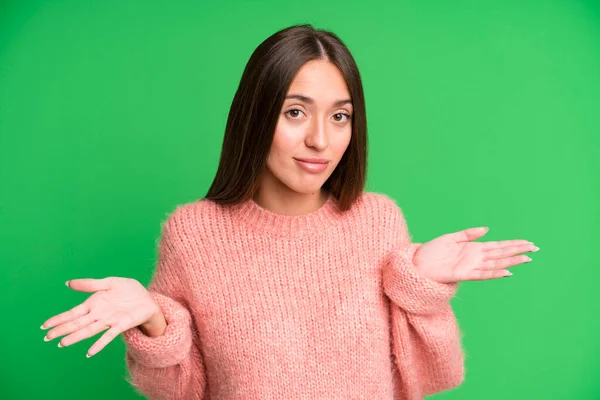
x=453, y=257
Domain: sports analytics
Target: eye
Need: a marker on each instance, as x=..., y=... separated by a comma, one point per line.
x=341, y=116
x=294, y=113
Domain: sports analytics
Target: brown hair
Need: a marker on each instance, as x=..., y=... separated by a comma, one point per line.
x=255, y=111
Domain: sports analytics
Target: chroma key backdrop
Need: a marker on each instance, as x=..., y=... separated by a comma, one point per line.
x=480, y=113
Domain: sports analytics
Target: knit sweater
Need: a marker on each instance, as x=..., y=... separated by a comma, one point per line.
x=325, y=305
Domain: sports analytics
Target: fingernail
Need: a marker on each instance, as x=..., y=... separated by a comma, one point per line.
x=46, y=338
x=87, y=356
x=535, y=249
x=529, y=259
x=60, y=345
x=42, y=327
x=67, y=283
x=509, y=274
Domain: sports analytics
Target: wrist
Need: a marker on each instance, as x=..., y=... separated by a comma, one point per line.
x=418, y=264
x=156, y=325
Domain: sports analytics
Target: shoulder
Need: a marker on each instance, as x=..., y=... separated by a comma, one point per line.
x=186, y=230
x=379, y=204
x=377, y=198
x=198, y=222
x=384, y=219
x=184, y=219
x=177, y=218
x=384, y=214
x=187, y=214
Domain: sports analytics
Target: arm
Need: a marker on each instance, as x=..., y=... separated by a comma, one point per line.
x=168, y=366
x=425, y=334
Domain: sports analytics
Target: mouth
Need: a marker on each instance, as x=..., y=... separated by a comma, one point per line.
x=312, y=160
x=312, y=165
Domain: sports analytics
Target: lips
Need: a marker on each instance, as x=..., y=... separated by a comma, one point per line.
x=313, y=160
x=313, y=165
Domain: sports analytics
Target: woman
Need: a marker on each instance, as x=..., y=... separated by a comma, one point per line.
x=288, y=280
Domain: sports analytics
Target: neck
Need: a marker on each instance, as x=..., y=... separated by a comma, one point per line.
x=290, y=203
x=294, y=224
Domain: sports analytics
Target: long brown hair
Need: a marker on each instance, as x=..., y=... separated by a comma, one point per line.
x=255, y=111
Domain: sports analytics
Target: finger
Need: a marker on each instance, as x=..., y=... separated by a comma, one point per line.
x=479, y=274
x=69, y=327
x=508, y=251
x=90, y=284
x=503, y=243
x=503, y=263
x=469, y=234
x=105, y=339
x=67, y=316
x=84, y=333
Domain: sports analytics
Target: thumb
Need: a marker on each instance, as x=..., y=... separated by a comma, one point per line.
x=90, y=285
x=469, y=234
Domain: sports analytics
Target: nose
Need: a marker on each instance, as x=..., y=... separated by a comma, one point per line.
x=317, y=134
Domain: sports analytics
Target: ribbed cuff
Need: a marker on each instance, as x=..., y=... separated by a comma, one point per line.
x=410, y=290
x=172, y=347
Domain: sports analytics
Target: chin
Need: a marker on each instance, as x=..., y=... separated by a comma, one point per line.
x=307, y=189
x=303, y=185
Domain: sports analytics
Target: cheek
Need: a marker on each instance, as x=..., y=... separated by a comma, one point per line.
x=286, y=139
x=340, y=144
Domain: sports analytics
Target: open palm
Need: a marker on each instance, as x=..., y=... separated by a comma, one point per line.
x=453, y=257
x=117, y=305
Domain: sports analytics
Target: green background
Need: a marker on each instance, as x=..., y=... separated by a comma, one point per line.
x=480, y=113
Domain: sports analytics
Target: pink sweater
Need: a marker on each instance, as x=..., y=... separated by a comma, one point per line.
x=325, y=305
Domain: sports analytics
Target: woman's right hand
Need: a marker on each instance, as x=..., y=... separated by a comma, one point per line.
x=118, y=305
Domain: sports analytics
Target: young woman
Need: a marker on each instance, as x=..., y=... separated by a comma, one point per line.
x=288, y=280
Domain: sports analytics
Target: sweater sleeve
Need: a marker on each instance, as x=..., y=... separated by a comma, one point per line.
x=169, y=366
x=426, y=338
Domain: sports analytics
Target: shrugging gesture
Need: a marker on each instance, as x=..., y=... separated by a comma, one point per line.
x=454, y=257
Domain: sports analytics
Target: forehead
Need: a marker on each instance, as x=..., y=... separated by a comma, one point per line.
x=320, y=79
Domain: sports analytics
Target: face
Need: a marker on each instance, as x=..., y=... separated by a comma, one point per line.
x=315, y=123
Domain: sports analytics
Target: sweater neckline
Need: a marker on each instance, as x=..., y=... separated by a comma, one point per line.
x=261, y=220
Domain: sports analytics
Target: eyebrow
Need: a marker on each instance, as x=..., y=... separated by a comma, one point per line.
x=310, y=100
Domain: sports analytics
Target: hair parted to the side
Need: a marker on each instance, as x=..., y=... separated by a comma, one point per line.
x=255, y=111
